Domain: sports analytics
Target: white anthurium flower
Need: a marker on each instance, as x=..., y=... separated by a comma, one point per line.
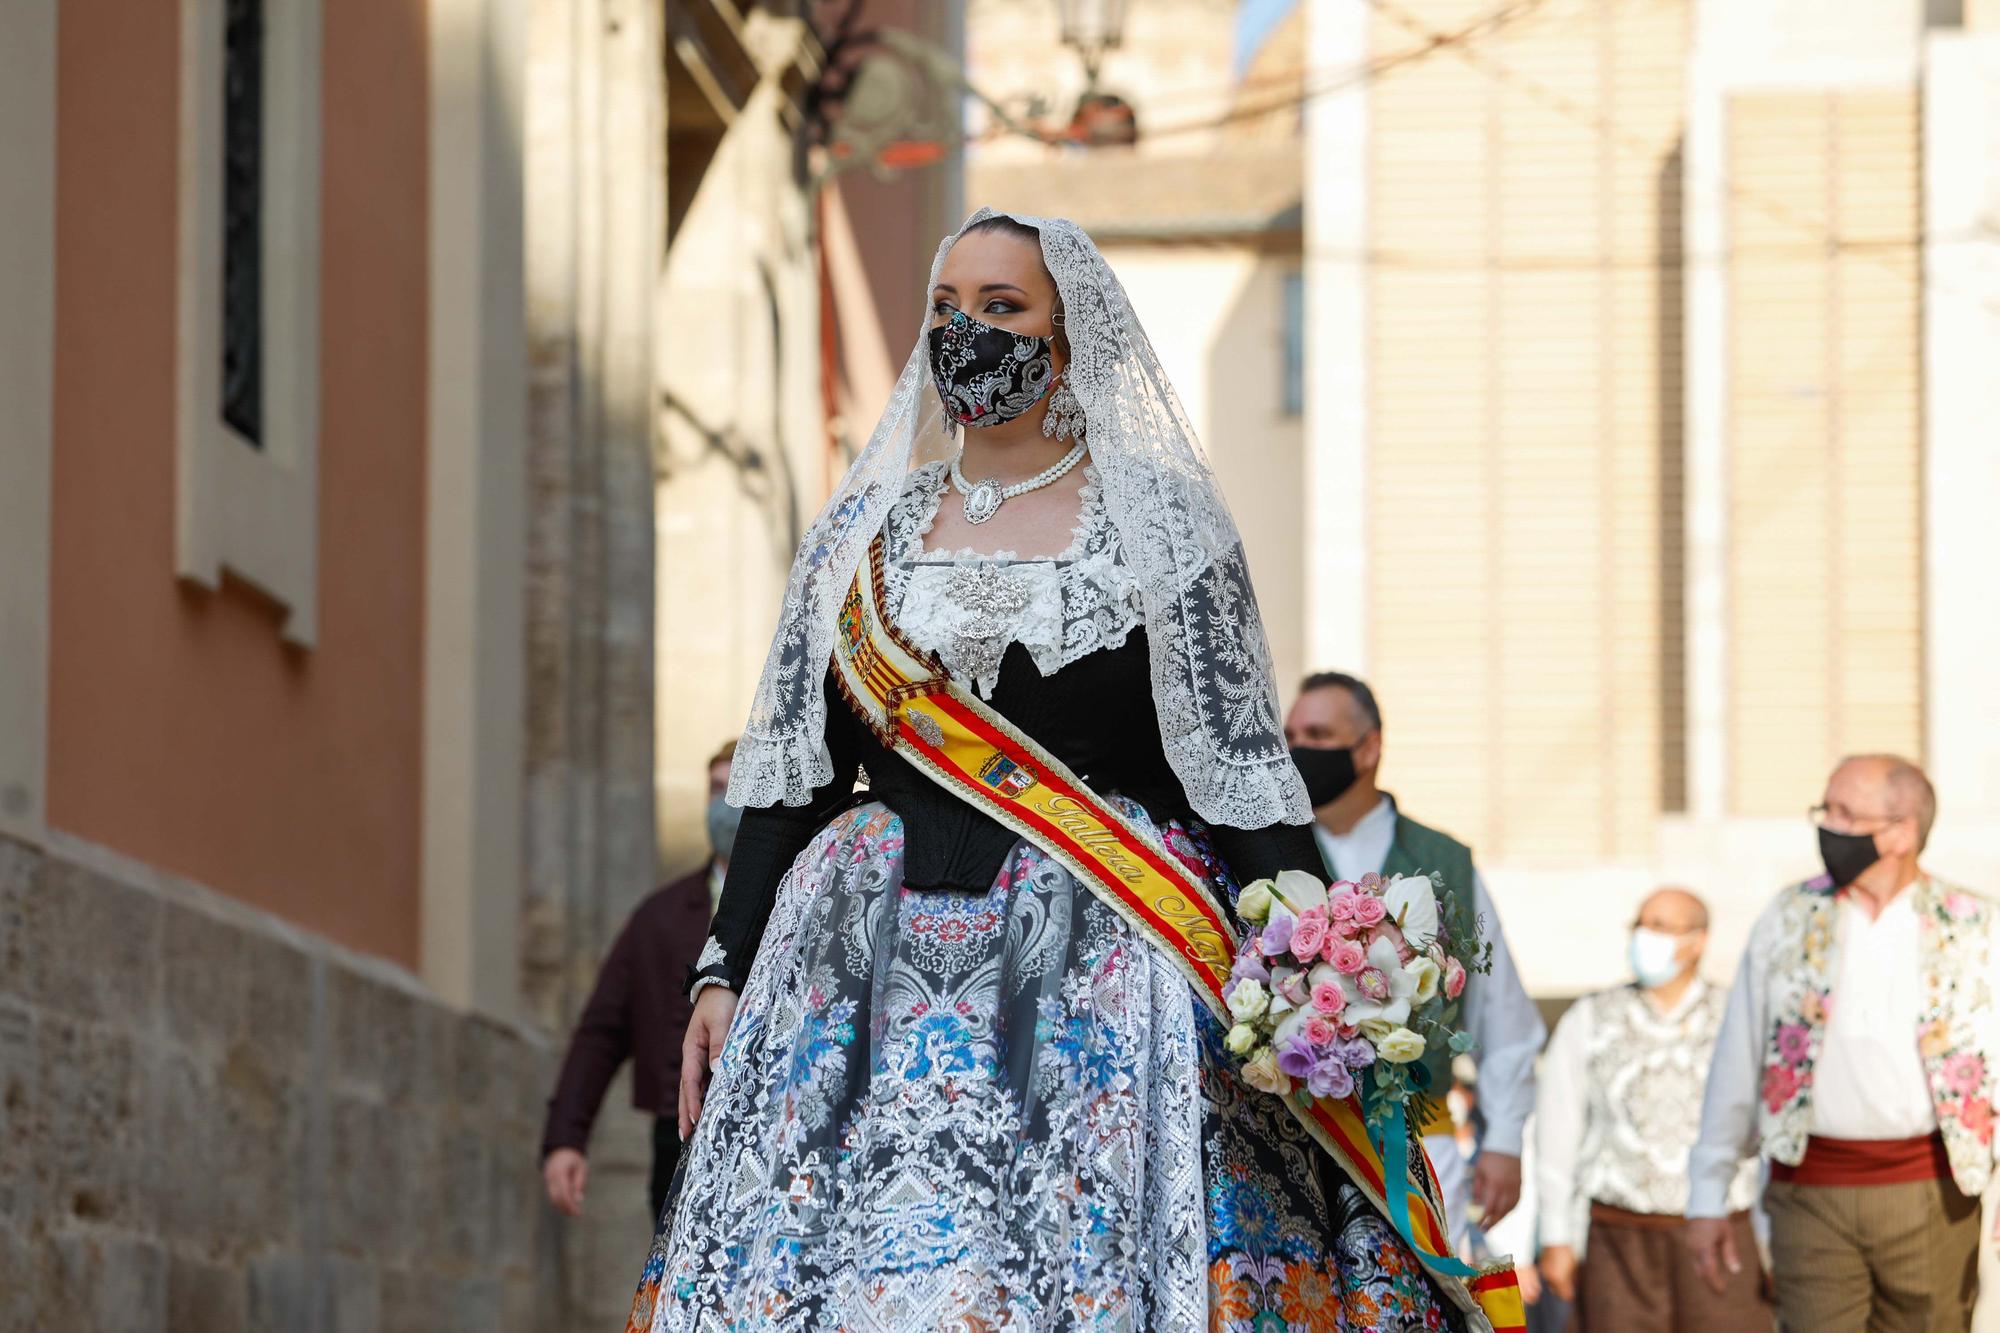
x=1413, y=906
x=1291, y=1025
x=1397, y=987
x=1298, y=890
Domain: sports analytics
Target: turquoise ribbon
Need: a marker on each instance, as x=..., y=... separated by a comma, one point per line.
x=1394, y=1147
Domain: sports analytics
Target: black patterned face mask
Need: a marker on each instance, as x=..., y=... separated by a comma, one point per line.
x=987, y=375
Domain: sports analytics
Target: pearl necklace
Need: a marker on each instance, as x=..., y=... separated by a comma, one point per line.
x=983, y=500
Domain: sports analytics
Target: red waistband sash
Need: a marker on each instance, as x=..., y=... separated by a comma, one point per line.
x=1867, y=1161
x=907, y=699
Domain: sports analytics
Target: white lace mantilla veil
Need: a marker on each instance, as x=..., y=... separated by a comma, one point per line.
x=1211, y=663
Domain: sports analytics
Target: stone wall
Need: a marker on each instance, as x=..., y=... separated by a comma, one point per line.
x=212, y=1123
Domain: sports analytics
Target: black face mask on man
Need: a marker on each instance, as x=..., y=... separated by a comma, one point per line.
x=1847, y=855
x=1328, y=771
x=988, y=375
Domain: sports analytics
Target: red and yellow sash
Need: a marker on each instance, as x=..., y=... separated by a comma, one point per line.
x=906, y=698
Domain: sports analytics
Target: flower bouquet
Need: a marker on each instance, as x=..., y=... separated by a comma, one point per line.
x=1341, y=990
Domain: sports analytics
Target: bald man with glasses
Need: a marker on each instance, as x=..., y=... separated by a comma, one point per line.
x=1618, y=1108
x=1858, y=1058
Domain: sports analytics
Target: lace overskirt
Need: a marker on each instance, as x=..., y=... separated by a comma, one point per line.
x=997, y=1111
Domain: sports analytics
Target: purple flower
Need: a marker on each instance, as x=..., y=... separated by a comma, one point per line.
x=1276, y=937
x=1329, y=1078
x=1248, y=964
x=1296, y=1058
x=1356, y=1052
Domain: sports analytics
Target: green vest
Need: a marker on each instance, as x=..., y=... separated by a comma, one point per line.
x=1418, y=850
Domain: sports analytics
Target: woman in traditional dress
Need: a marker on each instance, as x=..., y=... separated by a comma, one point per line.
x=952, y=1088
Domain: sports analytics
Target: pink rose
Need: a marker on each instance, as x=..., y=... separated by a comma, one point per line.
x=1347, y=956
x=1310, y=933
x=1329, y=999
x=1454, y=978
x=1340, y=907
x=1781, y=1084
x=1369, y=911
x=1318, y=1031
x=1964, y=1073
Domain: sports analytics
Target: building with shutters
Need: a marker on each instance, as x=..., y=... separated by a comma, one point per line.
x=1651, y=396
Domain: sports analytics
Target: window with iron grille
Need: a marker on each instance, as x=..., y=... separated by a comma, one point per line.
x=242, y=221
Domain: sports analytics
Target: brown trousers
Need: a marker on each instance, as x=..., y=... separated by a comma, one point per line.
x=1638, y=1276
x=1874, y=1258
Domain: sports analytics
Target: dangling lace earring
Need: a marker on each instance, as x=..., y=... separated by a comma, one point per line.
x=1064, y=419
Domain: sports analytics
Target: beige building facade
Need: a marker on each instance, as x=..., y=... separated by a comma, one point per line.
x=1631, y=310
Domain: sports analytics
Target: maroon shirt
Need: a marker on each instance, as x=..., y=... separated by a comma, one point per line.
x=639, y=1010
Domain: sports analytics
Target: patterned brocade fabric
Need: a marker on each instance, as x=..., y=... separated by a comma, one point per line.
x=999, y=1111
x=1647, y=1072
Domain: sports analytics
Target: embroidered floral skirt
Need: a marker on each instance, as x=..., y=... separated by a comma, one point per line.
x=998, y=1111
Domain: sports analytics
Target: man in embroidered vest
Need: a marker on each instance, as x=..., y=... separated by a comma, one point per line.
x=1335, y=731
x=1858, y=1057
x=1619, y=1107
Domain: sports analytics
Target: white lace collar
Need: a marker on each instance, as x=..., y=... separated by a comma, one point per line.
x=969, y=607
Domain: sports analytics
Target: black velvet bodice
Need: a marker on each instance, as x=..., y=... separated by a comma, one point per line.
x=1096, y=715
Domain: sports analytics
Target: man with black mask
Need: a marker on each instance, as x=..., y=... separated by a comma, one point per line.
x=1335, y=731
x=1858, y=1056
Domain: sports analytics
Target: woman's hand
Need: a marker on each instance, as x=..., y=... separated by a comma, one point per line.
x=713, y=1010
